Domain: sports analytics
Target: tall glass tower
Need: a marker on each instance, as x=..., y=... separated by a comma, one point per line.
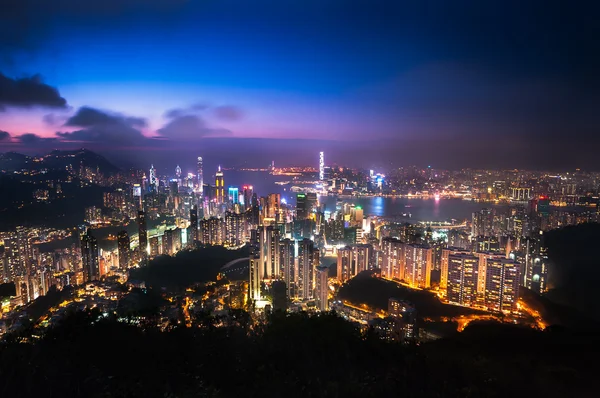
x=200, y=176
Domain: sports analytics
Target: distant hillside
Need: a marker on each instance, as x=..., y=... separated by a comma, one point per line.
x=575, y=267
x=56, y=160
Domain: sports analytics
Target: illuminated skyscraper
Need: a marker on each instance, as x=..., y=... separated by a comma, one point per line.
x=247, y=193
x=234, y=195
x=308, y=260
x=482, y=223
x=393, y=258
x=89, y=257
x=268, y=241
x=143, y=235
x=462, y=282
x=256, y=275
x=418, y=265
x=213, y=231
x=193, y=236
x=287, y=251
x=200, y=177
x=446, y=253
x=502, y=285
x=167, y=242
x=178, y=172
x=322, y=288
x=152, y=179
x=123, y=248
x=344, y=264
x=220, y=186
x=301, y=207
x=274, y=206
x=321, y=166
x=154, y=246
x=235, y=229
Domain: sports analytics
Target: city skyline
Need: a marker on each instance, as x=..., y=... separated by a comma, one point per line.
x=384, y=83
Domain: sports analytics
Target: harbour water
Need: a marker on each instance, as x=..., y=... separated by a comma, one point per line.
x=414, y=209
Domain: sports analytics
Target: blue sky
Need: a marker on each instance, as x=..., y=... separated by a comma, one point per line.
x=479, y=77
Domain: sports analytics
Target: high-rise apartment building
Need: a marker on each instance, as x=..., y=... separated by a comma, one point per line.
x=268, y=241
x=393, y=258
x=89, y=258
x=322, y=288
x=482, y=223
x=287, y=250
x=308, y=260
x=344, y=264
x=463, y=271
x=142, y=235
x=123, y=249
x=154, y=246
x=502, y=285
x=353, y=260
x=418, y=265
x=193, y=235
x=235, y=229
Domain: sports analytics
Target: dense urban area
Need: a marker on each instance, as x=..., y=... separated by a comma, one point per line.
x=186, y=250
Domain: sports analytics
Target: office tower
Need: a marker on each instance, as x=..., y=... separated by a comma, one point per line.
x=344, y=264
x=393, y=258
x=200, y=177
x=193, y=236
x=322, y=288
x=287, y=250
x=502, y=284
x=123, y=249
x=153, y=179
x=537, y=274
x=143, y=235
x=308, y=260
x=154, y=246
x=321, y=166
x=247, y=194
x=301, y=207
x=463, y=271
x=89, y=257
x=268, y=241
x=234, y=195
x=418, y=265
x=235, y=229
x=311, y=202
x=178, y=172
x=220, y=186
x=482, y=223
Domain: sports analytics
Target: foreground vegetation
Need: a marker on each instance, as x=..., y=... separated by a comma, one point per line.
x=293, y=356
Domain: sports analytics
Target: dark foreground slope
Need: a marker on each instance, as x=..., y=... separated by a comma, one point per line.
x=293, y=356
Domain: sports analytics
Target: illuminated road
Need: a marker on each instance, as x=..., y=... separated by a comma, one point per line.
x=231, y=263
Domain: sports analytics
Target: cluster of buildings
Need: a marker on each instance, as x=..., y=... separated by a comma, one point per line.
x=480, y=263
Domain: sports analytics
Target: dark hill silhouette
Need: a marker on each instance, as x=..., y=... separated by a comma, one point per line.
x=574, y=274
x=293, y=355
